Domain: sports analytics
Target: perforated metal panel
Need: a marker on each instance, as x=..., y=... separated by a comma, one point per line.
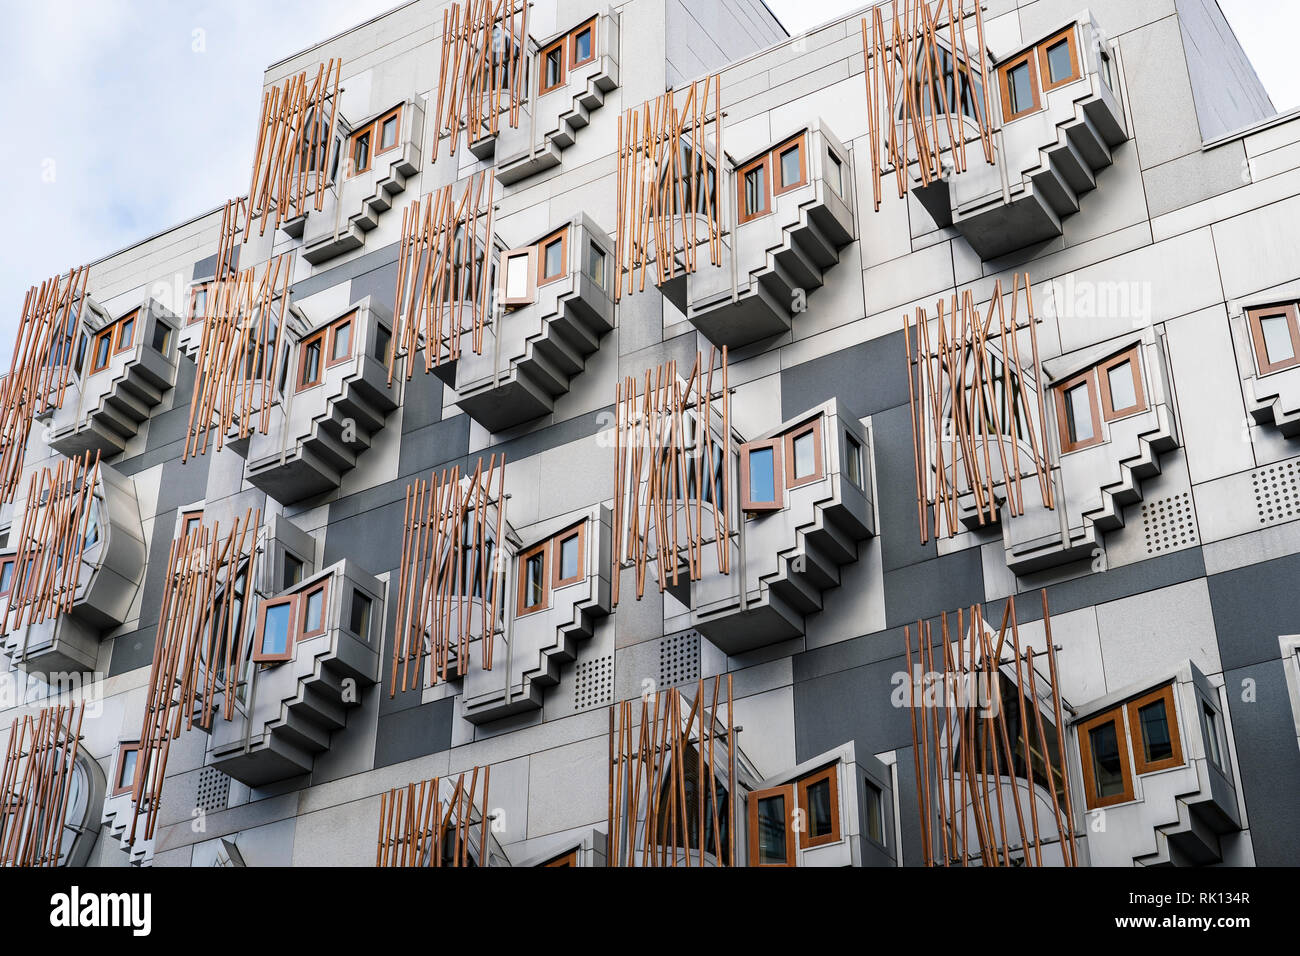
x=1169, y=523
x=1277, y=492
x=593, y=683
x=679, y=659
x=214, y=790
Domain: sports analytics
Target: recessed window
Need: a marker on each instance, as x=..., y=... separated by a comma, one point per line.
x=853, y=460
x=1019, y=87
x=275, y=622
x=552, y=66
x=6, y=576
x=160, y=342
x=820, y=802
x=753, y=190
x=198, y=303
x=313, y=610
x=1058, y=60
x=1151, y=719
x=533, y=582
x=103, y=350
x=381, y=341
x=569, y=549
x=340, y=340
x=760, y=476
x=361, y=151
x=803, y=454
x=1107, y=71
x=582, y=46
x=1210, y=732
x=875, y=810
x=359, y=615
x=126, y=332
x=835, y=173
x=128, y=763
x=790, y=169
x=1276, y=335
x=191, y=521
x=596, y=264
x=388, y=131
x=309, y=364
x=552, y=258
x=771, y=838
x=292, y=571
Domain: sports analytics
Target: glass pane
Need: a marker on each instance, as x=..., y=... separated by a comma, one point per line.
x=342, y=342
x=102, y=346
x=836, y=174
x=359, y=621
x=382, y=338
x=755, y=191
x=126, y=771
x=875, y=819
x=517, y=277
x=819, y=808
x=582, y=46
x=771, y=830
x=6, y=576
x=554, y=67
x=92, y=527
x=275, y=631
x=854, y=463
x=1122, y=393
x=1209, y=730
x=790, y=163
x=127, y=334
x=596, y=265
x=361, y=154
x=762, y=475
x=569, y=557
x=1059, y=67
x=292, y=570
x=388, y=134
x=1156, y=743
x=1277, y=338
x=1021, y=88
x=1078, y=412
x=805, y=458
x=311, y=363
x=1106, y=767
x=533, y=590
x=315, y=608
x=554, y=259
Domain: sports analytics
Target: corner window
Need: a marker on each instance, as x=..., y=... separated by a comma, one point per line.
x=760, y=476
x=292, y=572
x=835, y=173
x=161, y=340
x=1058, y=59
x=803, y=454
x=596, y=264
x=791, y=170
x=382, y=342
x=553, y=256
x=275, y=625
x=853, y=460
x=820, y=802
x=533, y=583
x=1210, y=733
x=570, y=547
x=771, y=838
x=1275, y=331
x=359, y=615
x=1019, y=81
x=124, y=772
x=313, y=610
x=874, y=805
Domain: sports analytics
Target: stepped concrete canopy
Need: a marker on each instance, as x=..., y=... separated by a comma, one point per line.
x=700, y=426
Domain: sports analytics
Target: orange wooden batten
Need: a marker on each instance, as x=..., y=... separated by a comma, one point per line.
x=240, y=351
x=652, y=755
x=36, y=785
x=417, y=827
x=964, y=749
x=666, y=186
x=452, y=572
x=928, y=126
x=40, y=368
x=294, y=137
x=961, y=353
x=54, y=533
x=482, y=69
x=444, y=266
x=199, y=649
x=657, y=460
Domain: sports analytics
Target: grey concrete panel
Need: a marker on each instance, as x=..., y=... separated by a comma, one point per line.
x=1252, y=607
x=414, y=732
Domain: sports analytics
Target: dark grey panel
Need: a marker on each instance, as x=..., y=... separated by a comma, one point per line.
x=414, y=733
x=380, y=283
x=347, y=271
x=184, y=482
x=421, y=401
x=437, y=444
x=922, y=591
x=869, y=378
x=1252, y=607
x=135, y=649
x=900, y=531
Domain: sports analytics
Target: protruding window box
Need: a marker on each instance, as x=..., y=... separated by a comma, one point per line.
x=121, y=369
x=1110, y=417
x=1267, y=330
x=333, y=397
x=310, y=651
x=791, y=209
x=803, y=506
x=1157, y=759
x=1057, y=113
x=371, y=162
x=111, y=571
x=570, y=74
x=555, y=303
x=557, y=589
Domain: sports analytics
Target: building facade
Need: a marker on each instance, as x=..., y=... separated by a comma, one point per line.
x=628, y=435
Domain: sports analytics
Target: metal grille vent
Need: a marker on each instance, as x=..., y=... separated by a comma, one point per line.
x=1277, y=492
x=594, y=683
x=214, y=790
x=679, y=659
x=1169, y=523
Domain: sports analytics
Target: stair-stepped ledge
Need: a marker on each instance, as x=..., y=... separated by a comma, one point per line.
x=771, y=263
x=783, y=560
x=317, y=431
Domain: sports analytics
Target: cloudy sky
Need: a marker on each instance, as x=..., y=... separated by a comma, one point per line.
x=125, y=117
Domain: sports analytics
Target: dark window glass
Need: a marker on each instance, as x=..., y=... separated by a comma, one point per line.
x=1155, y=731
x=383, y=338
x=819, y=808
x=161, y=338
x=535, y=580
x=1021, y=88
x=292, y=570
x=311, y=363
x=359, y=618
x=771, y=830
x=1209, y=729
x=361, y=152
x=854, y=464
x=875, y=813
x=1059, y=66
x=1107, y=774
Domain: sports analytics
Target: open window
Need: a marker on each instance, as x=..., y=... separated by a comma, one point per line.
x=125, y=768
x=276, y=618
x=819, y=799
x=519, y=276
x=1148, y=725
x=1275, y=333
x=760, y=476
x=1108, y=391
x=198, y=303
x=771, y=833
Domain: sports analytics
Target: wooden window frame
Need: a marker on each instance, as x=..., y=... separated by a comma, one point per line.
x=131, y=319
x=576, y=32
x=819, y=470
x=1084, y=733
x=778, y=476
x=1141, y=764
x=124, y=748
x=786, y=790
x=531, y=271
x=377, y=144
x=323, y=588
x=1004, y=85
x=562, y=234
x=1253, y=319
x=580, y=532
x=11, y=561
x=261, y=657
x=564, y=859
x=206, y=289
x=349, y=320
x=829, y=773
x=1088, y=378
x=562, y=44
x=1133, y=357
x=353, y=141
x=102, y=335
x=799, y=142
x=317, y=337
x=521, y=608
x=189, y=516
x=1044, y=70
x=764, y=162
